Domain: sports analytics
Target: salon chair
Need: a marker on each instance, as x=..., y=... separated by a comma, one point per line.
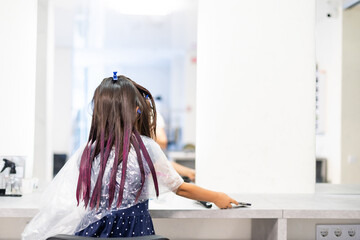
x=72, y=237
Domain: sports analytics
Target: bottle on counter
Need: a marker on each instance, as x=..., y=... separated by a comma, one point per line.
x=12, y=183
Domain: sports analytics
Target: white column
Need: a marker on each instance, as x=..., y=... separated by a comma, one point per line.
x=329, y=59
x=43, y=159
x=255, y=96
x=350, y=164
x=62, y=95
x=18, y=23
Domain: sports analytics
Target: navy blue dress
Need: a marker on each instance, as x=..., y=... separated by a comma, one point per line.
x=130, y=222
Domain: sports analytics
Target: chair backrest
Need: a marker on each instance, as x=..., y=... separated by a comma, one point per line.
x=72, y=237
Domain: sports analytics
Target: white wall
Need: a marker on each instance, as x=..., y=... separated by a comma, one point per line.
x=328, y=57
x=255, y=96
x=18, y=24
x=350, y=139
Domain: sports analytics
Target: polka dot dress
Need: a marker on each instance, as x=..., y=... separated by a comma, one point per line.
x=130, y=222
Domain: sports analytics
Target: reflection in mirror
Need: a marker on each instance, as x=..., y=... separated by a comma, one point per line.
x=338, y=91
x=152, y=42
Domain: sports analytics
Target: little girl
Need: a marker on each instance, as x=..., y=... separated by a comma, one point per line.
x=115, y=173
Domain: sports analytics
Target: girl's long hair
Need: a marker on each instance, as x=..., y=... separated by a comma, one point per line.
x=116, y=124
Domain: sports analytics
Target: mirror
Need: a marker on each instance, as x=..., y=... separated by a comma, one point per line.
x=152, y=42
x=338, y=92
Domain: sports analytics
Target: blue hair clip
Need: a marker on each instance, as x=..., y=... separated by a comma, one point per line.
x=147, y=97
x=115, y=78
x=138, y=111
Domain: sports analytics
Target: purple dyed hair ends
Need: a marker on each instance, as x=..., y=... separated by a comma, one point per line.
x=116, y=125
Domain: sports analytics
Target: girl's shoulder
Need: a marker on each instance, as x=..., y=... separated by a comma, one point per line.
x=151, y=146
x=148, y=142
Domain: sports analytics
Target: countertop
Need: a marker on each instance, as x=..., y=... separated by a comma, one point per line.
x=275, y=206
x=312, y=206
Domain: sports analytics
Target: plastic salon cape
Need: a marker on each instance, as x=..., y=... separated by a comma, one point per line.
x=59, y=213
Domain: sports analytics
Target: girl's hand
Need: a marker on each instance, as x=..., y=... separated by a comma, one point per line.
x=224, y=201
x=192, y=191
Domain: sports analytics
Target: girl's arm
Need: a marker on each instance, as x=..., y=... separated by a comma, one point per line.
x=184, y=171
x=197, y=193
x=169, y=180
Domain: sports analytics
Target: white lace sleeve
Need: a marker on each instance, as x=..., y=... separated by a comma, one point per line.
x=168, y=178
x=58, y=213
